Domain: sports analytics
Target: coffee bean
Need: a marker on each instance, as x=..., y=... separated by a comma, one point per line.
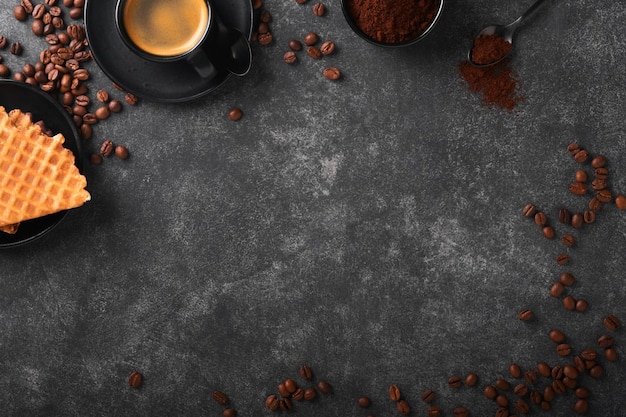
x=490, y=392
x=548, y=232
x=265, y=16
x=285, y=404
x=219, y=397
x=530, y=377
x=515, y=370
x=558, y=386
x=428, y=396
x=556, y=290
x=121, y=152
x=327, y=48
x=115, y=106
x=291, y=385
x=306, y=373
x=265, y=38
x=106, y=148
x=605, y=341
x=38, y=11
x=544, y=369
x=103, y=112
x=15, y=48
x=564, y=216
x=568, y=240
x=581, y=392
x=295, y=45
x=90, y=118
x=364, y=402
x=95, y=159
x=19, y=12
x=235, y=114
x=610, y=354
x=599, y=184
x=589, y=365
x=454, y=381
x=263, y=28
x=271, y=402
x=394, y=392
x=589, y=216
x=502, y=412
x=569, y=303
x=403, y=407
x=535, y=397
x=135, y=379
x=471, y=379
x=282, y=390
x=19, y=76
x=601, y=173
x=4, y=71
x=540, y=218
x=581, y=305
x=314, y=52
x=522, y=406
x=562, y=259
x=324, y=387
x=611, y=322
x=502, y=384
x=581, y=406
x=589, y=354
x=572, y=148
x=605, y=196
x=528, y=210
x=310, y=394
x=598, y=161
x=131, y=99
x=290, y=57
x=620, y=202
x=319, y=9
x=596, y=371
x=577, y=220
x=461, y=412
x=102, y=96
x=229, y=412
x=311, y=38
x=581, y=176
x=579, y=363
x=434, y=411
x=502, y=400
x=548, y=393
x=570, y=371
x=578, y=188
x=525, y=315
x=298, y=394
x=563, y=349
x=520, y=390
x=581, y=156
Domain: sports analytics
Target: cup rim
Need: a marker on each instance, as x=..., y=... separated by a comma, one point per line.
x=364, y=36
x=119, y=24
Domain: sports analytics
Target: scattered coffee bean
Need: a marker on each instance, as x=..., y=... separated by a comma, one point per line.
x=115, y=106
x=121, y=152
x=568, y=240
x=265, y=38
x=611, y=322
x=589, y=216
x=605, y=341
x=324, y=387
x=394, y=393
x=310, y=394
x=558, y=386
x=285, y=404
x=135, y=379
x=522, y=406
x=535, y=397
x=106, y=148
x=599, y=184
x=102, y=112
x=298, y=394
x=311, y=38
x=327, y=48
x=271, y=402
x=581, y=305
x=598, y=161
x=319, y=9
x=282, y=390
x=306, y=373
x=562, y=259
x=589, y=354
x=540, y=218
x=577, y=220
x=461, y=412
x=434, y=411
x=578, y=188
x=15, y=48
x=605, y=196
x=596, y=371
x=502, y=384
x=295, y=45
x=95, y=159
x=229, y=412
x=556, y=290
x=403, y=407
x=525, y=315
x=364, y=402
x=471, y=379
x=569, y=303
x=548, y=232
x=428, y=396
x=291, y=385
x=563, y=349
x=235, y=114
x=454, y=381
x=490, y=392
x=219, y=397
x=4, y=71
x=20, y=13
x=290, y=57
x=564, y=216
x=581, y=406
x=102, y=96
x=515, y=370
x=314, y=52
x=332, y=73
x=610, y=354
x=581, y=176
x=520, y=390
x=528, y=210
x=263, y=28
x=620, y=202
x=581, y=156
x=544, y=369
x=601, y=173
x=131, y=99
x=530, y=377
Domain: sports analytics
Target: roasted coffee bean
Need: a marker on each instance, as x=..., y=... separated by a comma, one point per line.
x=3, y=42
x=314, y=52
x=76, y=13
x=265, y=16
x=522, y=407
x=620, y=202
x=403, y=407
x=135, y=379
x=581, y=156
x=282, y=390
x=569, y=303
x=605, y=341
x=568, y=240
x=19, y=76
x=598, y=161
x=394, y=392
x=548, y=393
x=58, y=23
x=67, y=99
x=131, y=99
x=263, y=28
x=291, y=385
x=15, y=48
x=82, y=100
x=502, y=384
x=103, y=112
x=434, y=411
x=102, y=96
x=589, y=216
x=502, y=400
x=520, y=390
x=567, y=279
x=229, y=412
x=490, y=392
x=544, y=369
x=290, y=57
x=298, y=395
x=42, y=77
x=428, y=396
x=548, y=232
x=601, y=173
x=76, y=32
x=578, y=188
x=79, y=110
x=581, y=406
x=327, y=48
x=271, y=402
x=577, y=220
x=235, y=114
x=570, y=371
x=540, y=218
x=82, y=56
x=219, y=397
x=95, y=159
x=535, y=397
x=562, y=259
x=311, y=38
x=515, y=370
x=556, y=290
x=596, y=371
x=528, y=210
x=454, y=381
x=581, y=176
x=80, y=74
x=285, y=404
x=471, y=379
x=611, y=322
x=558, y=386
x=64, y=38
x=605, y=196
x=295, y=45
x=20, y=13
x=319, y=9
x=581, y=305
x=106, y=148
x=572, y=148
x=364, y=402
x=90, y=118
x=265, y=38
x=563, y=349
x=599, y=184
x=530, y=377
x=86, y=131
x=589, y=365
x=579, y=363
x=610, y=354
x=121, y=152
x=305, y=372
x=502, y=412
x=581, y=392
x=461, y=412
x=310, y=394
x=115, y=106
x=564, y=216
x=324, y=387
x=38, y=11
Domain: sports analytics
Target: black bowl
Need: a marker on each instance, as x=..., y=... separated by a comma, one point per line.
x=363, y=35
x=18, y=95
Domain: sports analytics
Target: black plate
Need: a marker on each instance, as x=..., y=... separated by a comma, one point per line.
x=16, y=95
x=165, y=82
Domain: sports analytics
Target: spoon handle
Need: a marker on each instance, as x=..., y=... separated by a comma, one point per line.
x=528, y=12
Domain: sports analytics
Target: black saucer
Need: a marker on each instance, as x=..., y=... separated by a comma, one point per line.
x=165, y=82
x=16, y=95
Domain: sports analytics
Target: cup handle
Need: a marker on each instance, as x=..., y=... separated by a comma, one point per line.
x=202, y=64
x=236, y=54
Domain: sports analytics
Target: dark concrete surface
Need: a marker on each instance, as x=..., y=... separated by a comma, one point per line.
x=370, y=228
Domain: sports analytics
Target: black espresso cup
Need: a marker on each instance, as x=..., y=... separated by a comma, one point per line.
x=183, y=30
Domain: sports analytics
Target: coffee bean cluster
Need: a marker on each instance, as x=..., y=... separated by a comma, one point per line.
x=222, y=399
x=289, y=391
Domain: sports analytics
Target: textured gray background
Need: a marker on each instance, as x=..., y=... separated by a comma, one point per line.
x=370, y=228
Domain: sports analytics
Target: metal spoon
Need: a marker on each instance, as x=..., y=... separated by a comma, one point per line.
x=505, y=32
